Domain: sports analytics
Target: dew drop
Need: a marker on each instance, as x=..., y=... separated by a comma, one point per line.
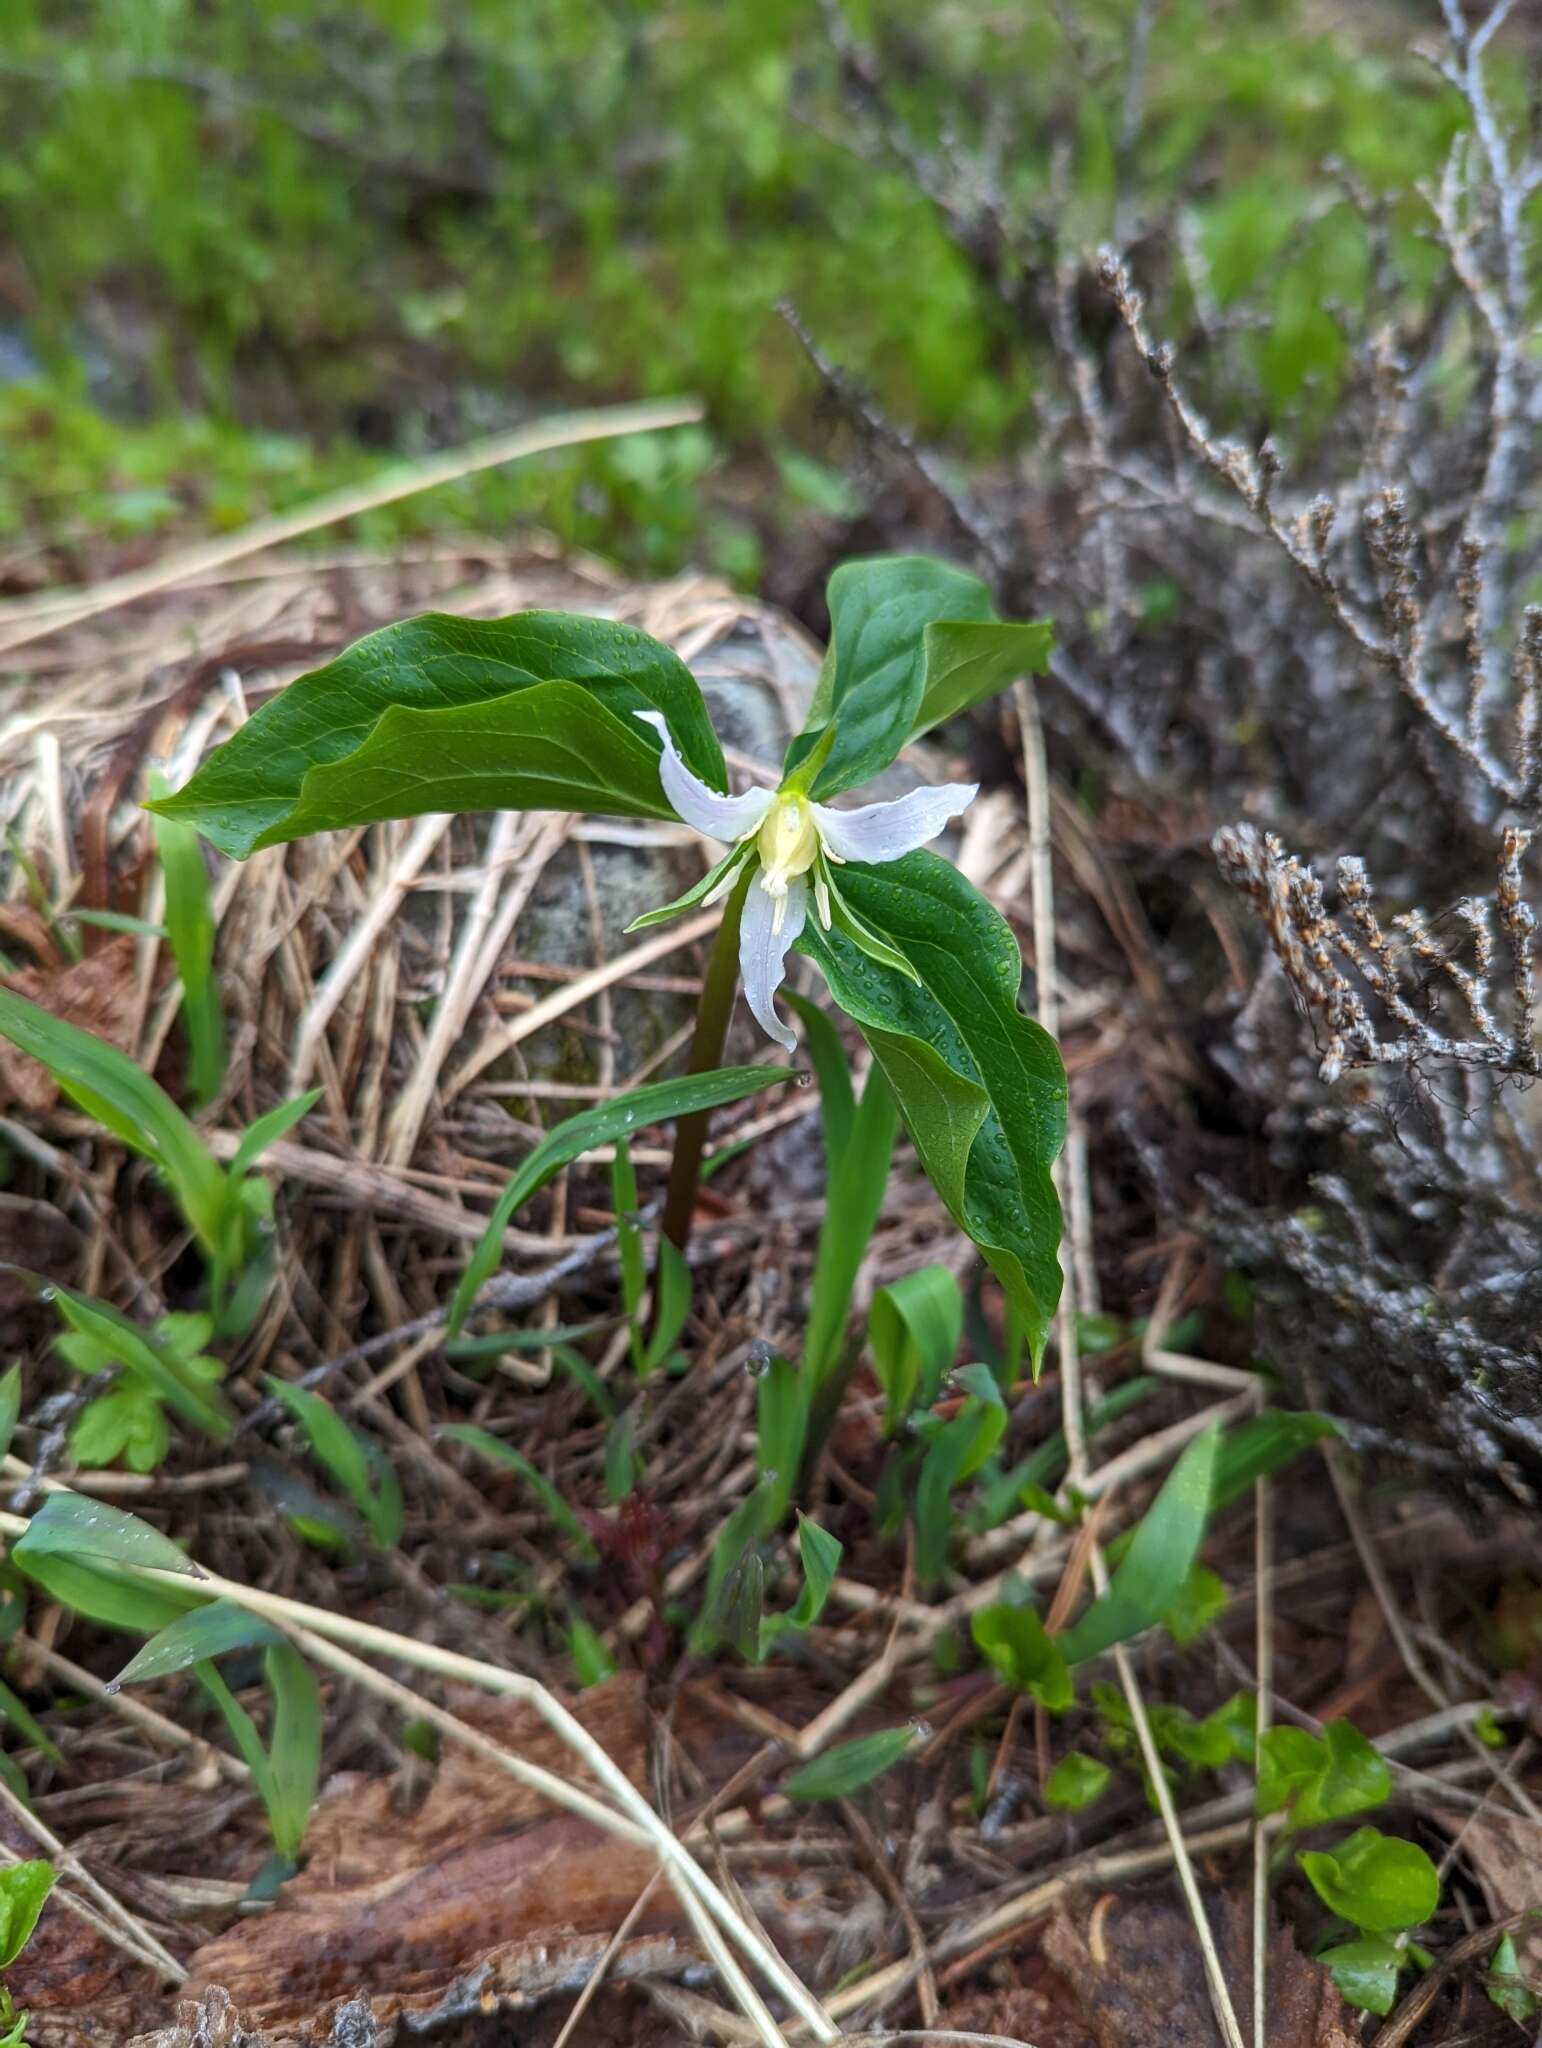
x=804, y=1079
x=922, y=1730
x=48, y=1294
x=757, y=1362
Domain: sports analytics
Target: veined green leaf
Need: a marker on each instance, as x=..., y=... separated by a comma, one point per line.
x=440, y=713
x=981, y=1087
x=103, y=1593
x=106, y=1084
x=622, y=1117
x=969, y=660
x=850, y=1765
x=890, y=673
x=194, y=1638
x=1366, y=1971
x=1152, y=1572
x=1262, y=1445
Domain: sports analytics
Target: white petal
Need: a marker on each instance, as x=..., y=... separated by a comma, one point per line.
x=703, y=809
x=880, y=832
x=763, y=951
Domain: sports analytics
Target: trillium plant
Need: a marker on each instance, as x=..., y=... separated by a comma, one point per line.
x=548, y=711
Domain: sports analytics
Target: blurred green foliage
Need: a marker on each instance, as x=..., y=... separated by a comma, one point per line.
x=252, y=246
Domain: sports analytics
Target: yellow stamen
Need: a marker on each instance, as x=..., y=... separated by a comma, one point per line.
x=789, y=845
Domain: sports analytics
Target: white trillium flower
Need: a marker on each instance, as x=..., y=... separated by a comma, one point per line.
x=792, y=843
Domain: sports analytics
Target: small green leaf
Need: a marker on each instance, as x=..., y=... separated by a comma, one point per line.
x=190, y=929
x=1200, y=1604
x=107, y=1085
x=127, y=1422
x=26, y=1724
x=1076, y=1781
x=820, y=1555
x=970, y=660
x=1507, y=1987
x=267, y=1129
x=294, y=1748
x=532, y=712
x=592, y=1662
x=956, y=1448
x=356, y=1465
x=24, y=1887
x=1366, y=1971
x=505, y=1454
x=832, y=1070
x=195, y=1638
x=152, y=1356
x=10, y=1406
x=1261, y=1446
x=1375, y=1881
x=1152, y=1573
x=672, y=1304
x=1321, y=1780
x=1013, y=1641
x=913, y=1332
x=856, y=1180
x=850, y=1765
x=69, y=1525
x=781, y=1427
x=621, y=1118
x=104, y=1594
x=741, y=1602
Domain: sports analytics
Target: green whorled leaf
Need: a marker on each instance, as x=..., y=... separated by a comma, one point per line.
x=194, y=1638
x=968, y=660
x=152, y=1356
x=1152, y=1572
x=70, y=1525
x=1018, y=1648
x=1076, y=1782
x=440, y=713
x=981, y=1086
x=893, y=669
x=1366, y=1971
x=1374, y=1881
x=850, y=1765
x=620, y=1118
x=23, y=1889
x=107, y=1085
x=913, y=1331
